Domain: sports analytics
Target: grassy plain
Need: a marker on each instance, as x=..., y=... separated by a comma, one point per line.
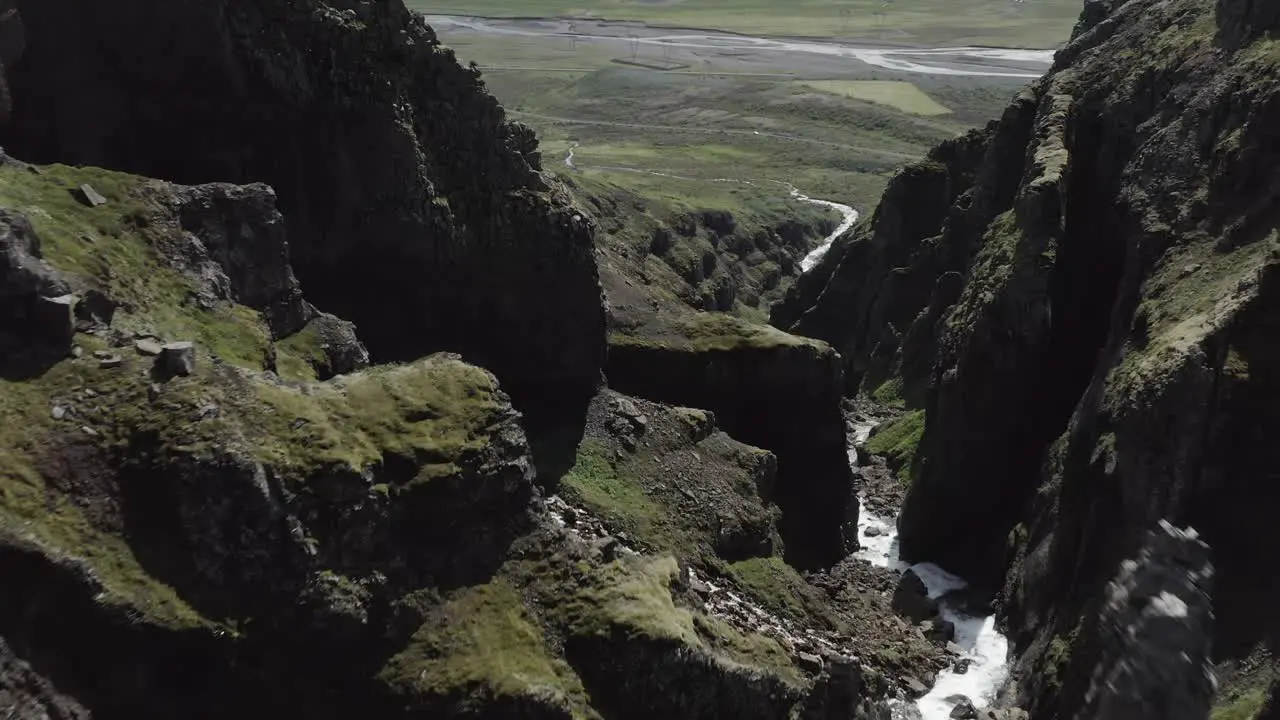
x=996, y=23
x=834, y=137
x=654, y=132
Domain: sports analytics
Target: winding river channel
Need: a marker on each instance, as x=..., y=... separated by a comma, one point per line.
x=985, y=649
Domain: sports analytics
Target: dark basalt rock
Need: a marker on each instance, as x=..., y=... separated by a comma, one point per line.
x=1155, y=629
x=1109, y=359
x=37, y=319
x=26, y=695
x=768, y=389
x=395, y=170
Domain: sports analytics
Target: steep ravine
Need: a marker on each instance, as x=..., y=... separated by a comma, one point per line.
x=1078, y=300
x=982, y=668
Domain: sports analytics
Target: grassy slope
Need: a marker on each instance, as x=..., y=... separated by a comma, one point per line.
x=1042, y=23
x=480, y=645
x=438, y=408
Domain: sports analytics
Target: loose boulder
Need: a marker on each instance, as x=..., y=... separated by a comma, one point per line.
x=178, y=358
x=911, y=599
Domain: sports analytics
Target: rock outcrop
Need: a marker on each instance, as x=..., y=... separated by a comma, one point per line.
x=1154, y=633
x=1105, y=361
x=395, y=170
x=767, y=388
x=27, y=283
x=26, y=695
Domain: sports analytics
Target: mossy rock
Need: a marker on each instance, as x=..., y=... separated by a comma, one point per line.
x=897, y=442
x=481, y=651
x=710, y=332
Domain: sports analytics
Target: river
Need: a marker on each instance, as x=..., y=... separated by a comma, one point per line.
x=985, y=649
x=952, y=61
x=850, y=216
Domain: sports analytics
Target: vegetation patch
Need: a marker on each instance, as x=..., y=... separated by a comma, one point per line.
x=630, y=600
x=889, y=394
x=481, y=646
x=778, y=586
x=113, y=247
x=897, y=94
x=710, y=332
x=897, y=441
x=433, y=410
x=597, y=483
x=1245, y=687
x=964, y=22
x=298, y=355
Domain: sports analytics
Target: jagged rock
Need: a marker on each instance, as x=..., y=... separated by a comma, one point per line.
x=911, y=598
x=964, y=709
x=962, y=666
x=809, y=662
x=148, y=346
x=1156, y=627
x=343, y=351
x=87, y=195
x=237, y=246
x=768, y=389
x=1243, y=20
x=29, y=313
x=178, y=358
x=394, y=167
x=914, y=686
x=110, y=362
x=94, y=310
x=722, y=488
x=27, y=695
x=55, y=319
x=940, y=631
x=607, y=546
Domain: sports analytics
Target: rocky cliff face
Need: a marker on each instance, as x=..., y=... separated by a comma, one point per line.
x=395, y=169
x=768, y=388
x=1099, y=359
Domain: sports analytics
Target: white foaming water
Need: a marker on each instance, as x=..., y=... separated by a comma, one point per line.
x=811, y=259
x=984, y=647
x=850, y=217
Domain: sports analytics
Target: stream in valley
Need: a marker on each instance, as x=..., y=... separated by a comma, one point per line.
x=985, y=649
x=850, y=216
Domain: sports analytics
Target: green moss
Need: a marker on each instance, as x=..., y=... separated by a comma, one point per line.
x=1183, y=302
x=479, y=646
x=298, y=355
x=778, y=586
x=897, y=441
x=113, y=246
x=1057, y=658
x=631, y=598
x=708, y=331
x=1243, y=705
x=889, y=393
x=596, y=483
x=433, y=410
x=1245, y=688
x=754, y=651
